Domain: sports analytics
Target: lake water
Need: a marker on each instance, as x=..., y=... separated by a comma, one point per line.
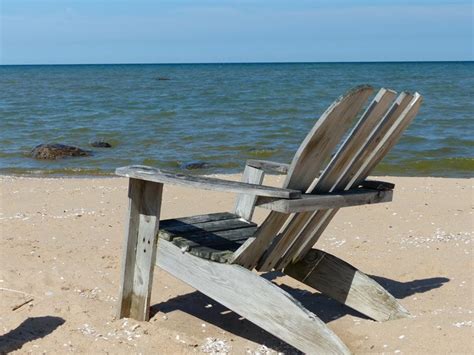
x=221, y=114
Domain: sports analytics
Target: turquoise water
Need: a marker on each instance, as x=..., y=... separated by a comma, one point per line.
x=221, y=114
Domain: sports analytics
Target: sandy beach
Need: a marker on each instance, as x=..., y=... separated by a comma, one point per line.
x=60, y=249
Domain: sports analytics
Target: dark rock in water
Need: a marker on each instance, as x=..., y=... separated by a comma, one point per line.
x=57, y=151
x=100, y=144
x=196, y=165
x=162, y=78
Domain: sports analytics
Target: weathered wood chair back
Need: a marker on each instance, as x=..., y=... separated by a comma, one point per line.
x=284, y=238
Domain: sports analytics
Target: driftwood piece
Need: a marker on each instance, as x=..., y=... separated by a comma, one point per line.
x=24, y=303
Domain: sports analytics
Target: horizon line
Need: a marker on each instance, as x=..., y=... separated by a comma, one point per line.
x=256, y=62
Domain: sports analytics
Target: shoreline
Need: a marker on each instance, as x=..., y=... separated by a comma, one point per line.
x=61, y=244
x=191, y=172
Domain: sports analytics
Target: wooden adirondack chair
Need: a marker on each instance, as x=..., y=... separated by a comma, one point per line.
x=216, y=253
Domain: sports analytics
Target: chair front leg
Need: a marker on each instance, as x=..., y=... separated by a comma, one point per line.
x=139, y=251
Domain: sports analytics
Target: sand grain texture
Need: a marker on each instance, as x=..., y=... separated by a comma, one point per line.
x=60, y=245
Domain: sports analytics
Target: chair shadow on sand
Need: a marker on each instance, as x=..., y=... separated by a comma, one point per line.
x=327, y=309
x=29, y=330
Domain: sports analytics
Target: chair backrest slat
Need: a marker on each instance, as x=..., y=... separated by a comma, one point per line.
x=346, y=154
x=385, y=145
x=395, y=113
x=309, y=159
x=320, y=142
x=378, y=145
x=337, y=166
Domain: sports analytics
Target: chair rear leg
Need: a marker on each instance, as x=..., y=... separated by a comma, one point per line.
x=252, y=297
x=344, y=283
x=139, y=251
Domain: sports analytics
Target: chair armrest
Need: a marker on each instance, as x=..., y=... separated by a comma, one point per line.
x=201, y=182
x=377, y=185
x=309, y=202
x=269, y=166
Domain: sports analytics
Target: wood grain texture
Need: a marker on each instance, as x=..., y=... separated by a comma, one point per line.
x=309, y=159
x=280, y=242
x=201, y=182
x=386, y=134
x=390, y=138
x=344, y=283
x=338, y=166
x=214, y=239
x=347, y=153
x=208, y=238
x=169, y=233
x=245, y=203
x=202, y=218
x=323, y=138
x=251, y=251
x=254, y=298
x=346, y=161
x=353, y=197
x=366, y=144
x=269, y=166
x=139, y=249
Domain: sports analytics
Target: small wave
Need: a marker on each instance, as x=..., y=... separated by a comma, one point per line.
x=229, y=165
x=281, y=111
x=220, y=114
x=16, y=154
x=160, y=114
x=162, y=163
x=442, y=167
x=57, y=172
x=262, y=152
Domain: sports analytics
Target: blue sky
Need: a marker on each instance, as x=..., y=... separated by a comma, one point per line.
x=182, y=31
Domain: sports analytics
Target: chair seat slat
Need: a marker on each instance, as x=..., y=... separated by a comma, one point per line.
x=214, y=237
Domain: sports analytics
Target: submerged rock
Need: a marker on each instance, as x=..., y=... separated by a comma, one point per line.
x=196, y=165
x=57, y=151
x=100, y=144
